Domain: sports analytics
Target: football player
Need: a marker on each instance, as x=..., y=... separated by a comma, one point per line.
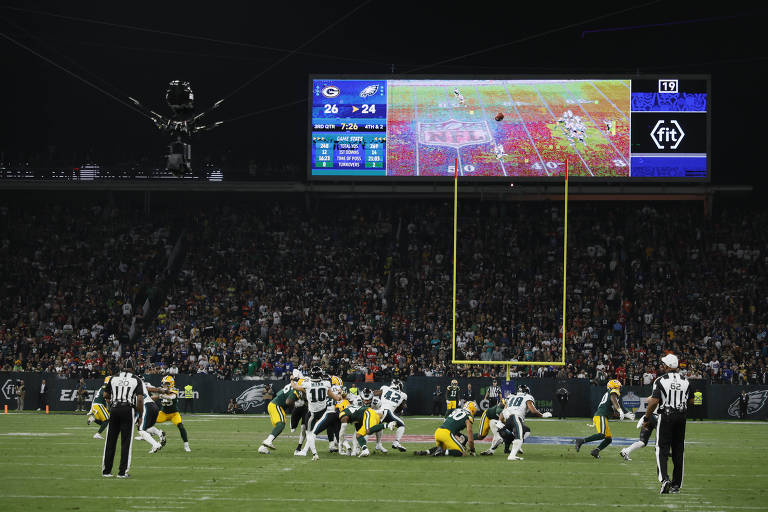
x=169, y=408
x=447, y=435
x=487, y=424
x=513, y=416
x=452, y=396
x=300, y=410
x=99, y=412
x=609, y=406
x=286, y=397
x=392, y=399
x=148, y=419
x=318, y=393
x=363, y=417
x=459, y=97
x=645, y=433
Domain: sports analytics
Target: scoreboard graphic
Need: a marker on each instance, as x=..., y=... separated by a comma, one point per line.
x=604, y=128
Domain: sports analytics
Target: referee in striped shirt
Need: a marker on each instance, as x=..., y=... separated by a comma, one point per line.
x=125, y=392
x=493, y=393
x=670, y=396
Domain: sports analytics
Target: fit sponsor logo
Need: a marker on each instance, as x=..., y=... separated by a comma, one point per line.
x=251, y=397
x=9, y=389
x=755, y=402
x=454, y=133
x=667, y=134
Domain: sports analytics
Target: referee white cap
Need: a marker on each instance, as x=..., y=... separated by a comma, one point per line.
x=670, y=360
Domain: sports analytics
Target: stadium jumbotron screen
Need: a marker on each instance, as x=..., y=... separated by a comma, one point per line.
x=605, y=128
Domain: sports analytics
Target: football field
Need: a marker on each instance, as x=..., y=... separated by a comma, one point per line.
x=51, y=462
x=429, y=128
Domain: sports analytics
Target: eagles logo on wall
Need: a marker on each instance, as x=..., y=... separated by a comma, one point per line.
x=251, y=397
x=755, y=402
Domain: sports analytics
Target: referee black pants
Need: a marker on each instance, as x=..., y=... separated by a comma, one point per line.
x=670, y=442
x=120, y=424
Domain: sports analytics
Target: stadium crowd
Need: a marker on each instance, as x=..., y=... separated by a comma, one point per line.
x=364, y=288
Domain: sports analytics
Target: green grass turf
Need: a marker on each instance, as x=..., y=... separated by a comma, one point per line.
x=725, y=470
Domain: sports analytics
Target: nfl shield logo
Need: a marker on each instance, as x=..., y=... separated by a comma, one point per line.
x=454, y=133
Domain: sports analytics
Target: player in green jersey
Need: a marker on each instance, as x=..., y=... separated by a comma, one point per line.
x=609, y=407
x=99, y=412
x=284, y=398
x=452, y=396
x=169, y=409
x=365, y=419
x=448, y=438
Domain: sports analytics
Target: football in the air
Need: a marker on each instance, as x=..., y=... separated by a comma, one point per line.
x=499, y=116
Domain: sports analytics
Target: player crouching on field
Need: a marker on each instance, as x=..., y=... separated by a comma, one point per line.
x=365, y=419
x=448, y=438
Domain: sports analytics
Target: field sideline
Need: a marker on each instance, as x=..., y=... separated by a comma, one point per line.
x=52, y=463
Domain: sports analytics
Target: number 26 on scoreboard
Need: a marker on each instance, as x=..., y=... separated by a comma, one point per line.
x=667, y=85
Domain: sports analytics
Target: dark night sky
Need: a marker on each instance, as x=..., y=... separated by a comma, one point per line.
x=46, y=109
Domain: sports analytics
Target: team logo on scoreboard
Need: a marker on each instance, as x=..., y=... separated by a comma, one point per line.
x=454, y=133
x=667, y=134
x=369, y=91
x=330, y=91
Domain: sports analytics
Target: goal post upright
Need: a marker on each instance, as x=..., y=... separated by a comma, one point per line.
x=508, y=364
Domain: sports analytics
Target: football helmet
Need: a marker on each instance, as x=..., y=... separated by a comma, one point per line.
x=168, y=381
x=316, y=373
x=397, y=384
x=376, y=402
x=366, y=395
x=344, y=391
x=522, y=388
x=471, y=406
x=357, y=402
x=336, y=381
x=614, y=384
x=297, y=375
x=454, y=382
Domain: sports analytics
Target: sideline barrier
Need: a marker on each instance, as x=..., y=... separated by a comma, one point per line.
x=212, y=395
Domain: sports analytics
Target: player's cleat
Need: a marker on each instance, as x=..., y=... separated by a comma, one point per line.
x=156, y=449
x=107, y=475
x=124, y=476
x=595, y=453
x=263, y=449
x=364, y=452
x=486, y=452
x=97, y=436
x=438, y=452
x=187, y=448
x=315, y=457
x=397, y=446
x=333, y=447
x=625, y=455
x=421, y=452
x=268, y=445
x=665, y=485
x=578, y=443
x=299, y=453
x=514, y=457
x=675, y=489
x=163, y=438
x=138, y=438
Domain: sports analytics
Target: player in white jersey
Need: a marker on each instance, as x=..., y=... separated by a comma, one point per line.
x=319, y=394
x=518, y=405
x=392, y=399
x=148, y=419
